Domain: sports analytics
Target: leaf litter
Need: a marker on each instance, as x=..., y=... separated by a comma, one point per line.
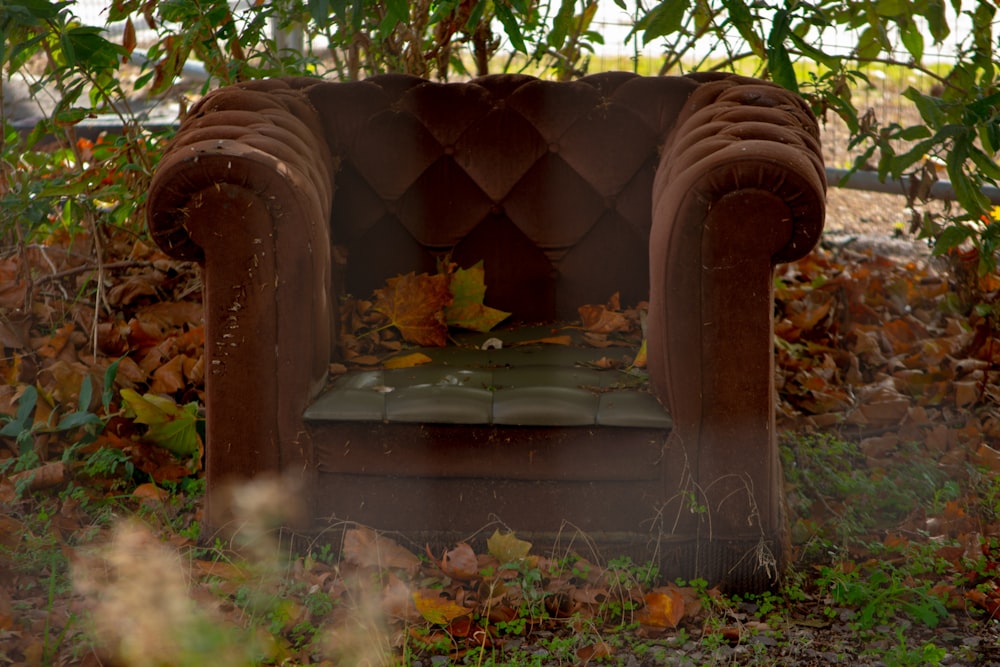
x=891, y=356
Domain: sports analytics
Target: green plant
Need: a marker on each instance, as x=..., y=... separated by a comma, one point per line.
x=902, y=653
x=880, y=591
x=81, y=184
x=788, y=42
x=829, y=476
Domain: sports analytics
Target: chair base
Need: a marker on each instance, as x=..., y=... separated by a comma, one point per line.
x=599, y=492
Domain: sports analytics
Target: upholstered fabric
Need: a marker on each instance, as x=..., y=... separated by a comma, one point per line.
x=547, y=182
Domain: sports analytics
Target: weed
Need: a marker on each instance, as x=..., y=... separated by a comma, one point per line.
x=902, y=653
x=831, y=477
x=879, y=592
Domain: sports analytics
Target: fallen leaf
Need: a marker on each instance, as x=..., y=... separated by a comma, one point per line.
x=664, y=608
x=987, y=457
x=467, y=310
x=407, y=361
x=414, y=304
x=507, y=548
x=171, y=426
x=594, y=652
x=548, y=340
x=366, y=548
x=169, y=378
x=600, y=319
x=460, y=563
x=640, y=356
x=398, y=601
x=436, y=608
x=150, y=493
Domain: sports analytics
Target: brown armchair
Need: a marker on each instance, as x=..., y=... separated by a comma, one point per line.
x=685, y=191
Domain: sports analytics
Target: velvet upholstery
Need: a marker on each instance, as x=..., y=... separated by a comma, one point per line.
x=685, y=191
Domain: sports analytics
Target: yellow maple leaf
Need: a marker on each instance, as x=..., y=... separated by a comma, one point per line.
x=507, y=548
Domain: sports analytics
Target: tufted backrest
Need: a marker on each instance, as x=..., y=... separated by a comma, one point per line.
x=550, y=184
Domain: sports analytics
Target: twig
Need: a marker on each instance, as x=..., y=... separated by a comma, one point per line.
x=110, y=266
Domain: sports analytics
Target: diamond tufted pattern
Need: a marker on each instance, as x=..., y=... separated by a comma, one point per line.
x=547, y=182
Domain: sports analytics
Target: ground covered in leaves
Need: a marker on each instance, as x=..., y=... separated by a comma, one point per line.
x=889, y=385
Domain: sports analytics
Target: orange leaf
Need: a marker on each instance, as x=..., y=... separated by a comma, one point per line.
x=415, y=305
x=56, y=342
x=600, y=319
x=169, y=377
x=460, y=562
x=664, y=608
x=128, y=38
x=150, y=494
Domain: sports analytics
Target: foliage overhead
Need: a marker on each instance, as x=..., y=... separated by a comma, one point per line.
x=800, y=45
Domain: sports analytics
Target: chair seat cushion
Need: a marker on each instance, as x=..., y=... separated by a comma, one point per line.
x=508, y=378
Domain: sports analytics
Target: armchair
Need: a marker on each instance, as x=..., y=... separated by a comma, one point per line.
x=685, y=191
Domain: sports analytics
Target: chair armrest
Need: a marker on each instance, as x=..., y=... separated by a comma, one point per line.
x=245, y=189
x=741, y=186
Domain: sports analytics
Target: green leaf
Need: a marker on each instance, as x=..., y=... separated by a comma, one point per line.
x=664, y=19
x=967, y=192
x=109, y=383
x=561, y=24
x=511, y=27
x=831, y=62
x=937, y=21
x=951, y=237
x=779, y=63
x=170, y=426
x=78, y=419
x=891, y=7
x=870, y=43
x=913, y=40
x=22, y=419
x=86, y=393
x=476, y=15
x=398, y=10
x=743, y=20
x=984, y=107
x=928, y=106
x=466, y=311
x=986, y=165
x=319, y=11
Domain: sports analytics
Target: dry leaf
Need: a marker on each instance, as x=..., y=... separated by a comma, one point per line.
x=548, y=340
x=599, y=319
x=365, y=548
x=460, y=563
x=436, y=608
x=664, y=608
x=507, y=548
x=415, y=306
x=407, y=361
x=594, y=652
